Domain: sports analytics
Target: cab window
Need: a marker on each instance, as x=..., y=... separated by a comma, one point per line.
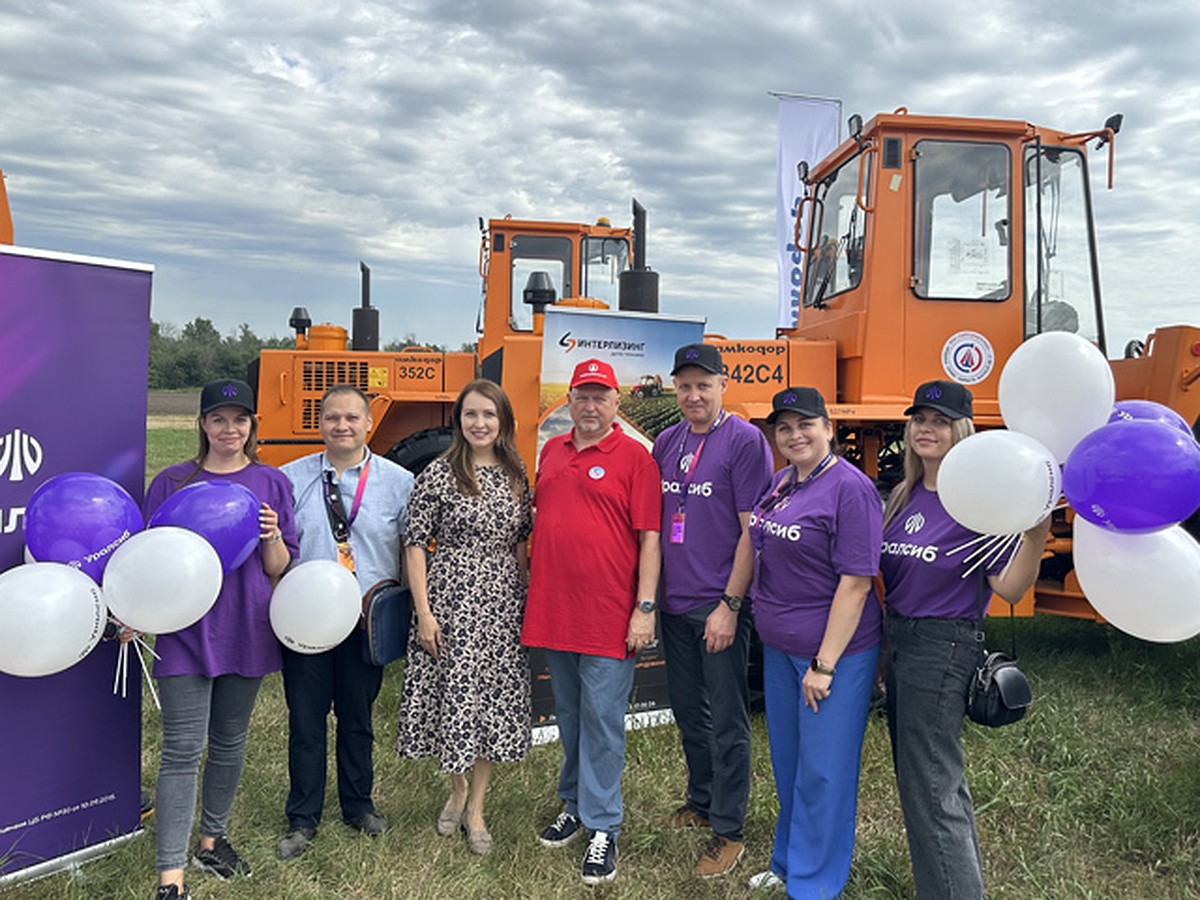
x=537, y=253
x=961, y=221
x=835, y=248
x=1060, y=279
x=604, y=259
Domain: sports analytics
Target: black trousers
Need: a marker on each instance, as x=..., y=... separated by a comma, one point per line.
x=711, y=703
x=312, y=684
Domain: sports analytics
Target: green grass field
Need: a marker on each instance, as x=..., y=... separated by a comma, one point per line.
x=1095, y=794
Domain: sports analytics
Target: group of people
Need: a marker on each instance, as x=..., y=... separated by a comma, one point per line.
x=697, y=541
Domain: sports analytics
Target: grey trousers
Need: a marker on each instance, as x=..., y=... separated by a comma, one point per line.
x=711, y=704
x=197, y=710
x=929, y=664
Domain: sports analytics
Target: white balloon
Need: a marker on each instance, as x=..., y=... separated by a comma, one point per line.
x=1056, y=387
x=999, y=482
x=315, y=606
x=162, y=579
x=51, y=616
x=1147, y=585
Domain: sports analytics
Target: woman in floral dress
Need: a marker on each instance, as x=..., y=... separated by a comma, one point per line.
x=466, y=688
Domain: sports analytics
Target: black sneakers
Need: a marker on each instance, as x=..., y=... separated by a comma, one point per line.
x=600, y=858
x=171, y=892
x=222, y=860
x=561, y=831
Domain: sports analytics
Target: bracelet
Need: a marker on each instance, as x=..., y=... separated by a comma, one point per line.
x=820, y=668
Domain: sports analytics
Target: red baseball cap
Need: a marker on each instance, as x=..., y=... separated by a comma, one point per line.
x=595, y=371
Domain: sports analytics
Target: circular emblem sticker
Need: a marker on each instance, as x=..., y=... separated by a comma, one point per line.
x=967, y=357
x=596, y=473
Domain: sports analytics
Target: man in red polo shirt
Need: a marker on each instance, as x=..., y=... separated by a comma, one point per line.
x=593, y=579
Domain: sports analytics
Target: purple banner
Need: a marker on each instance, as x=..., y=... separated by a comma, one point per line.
x=73, y=398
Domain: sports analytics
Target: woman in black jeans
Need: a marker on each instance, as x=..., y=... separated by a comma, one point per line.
x=934, y=639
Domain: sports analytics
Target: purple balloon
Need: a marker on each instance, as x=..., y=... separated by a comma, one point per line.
x=223, y=513
x=1134, y=476
x=80, y=518
x=1129, y=410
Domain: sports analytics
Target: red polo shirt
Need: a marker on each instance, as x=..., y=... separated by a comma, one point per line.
x=591, y=504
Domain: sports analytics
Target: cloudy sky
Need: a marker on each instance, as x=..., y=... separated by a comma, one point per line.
x=254, y=151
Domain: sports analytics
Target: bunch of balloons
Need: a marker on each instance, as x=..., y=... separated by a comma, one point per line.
x=83, y=530
x=1131, y=482
x=1131, y=471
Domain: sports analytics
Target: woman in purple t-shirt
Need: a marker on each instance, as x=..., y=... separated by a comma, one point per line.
x=208, y=673
x=816, y=533
x=934, y=641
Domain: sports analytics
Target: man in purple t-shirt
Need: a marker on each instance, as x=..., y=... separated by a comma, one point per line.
x=714, y=467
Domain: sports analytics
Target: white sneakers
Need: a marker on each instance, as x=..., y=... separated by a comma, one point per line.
x=765, y=881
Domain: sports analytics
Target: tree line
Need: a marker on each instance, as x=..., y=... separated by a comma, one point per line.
x=197, y=353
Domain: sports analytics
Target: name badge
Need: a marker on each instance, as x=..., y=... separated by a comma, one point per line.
x=677, y=528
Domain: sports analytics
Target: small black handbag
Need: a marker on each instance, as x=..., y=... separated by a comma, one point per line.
x=999, y=692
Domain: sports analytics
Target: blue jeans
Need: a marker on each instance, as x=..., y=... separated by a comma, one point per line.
x=591, y=696
x=929, y=664
x=815, y=757
x=711, y=704
x=196, y=710
x=312, y=683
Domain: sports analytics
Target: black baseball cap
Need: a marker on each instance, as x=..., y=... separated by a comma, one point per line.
x=807, y=402
x=947, y=397
x=227, y=392
x=706, y=356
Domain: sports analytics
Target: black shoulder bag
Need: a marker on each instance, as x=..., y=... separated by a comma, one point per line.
x=999, y=692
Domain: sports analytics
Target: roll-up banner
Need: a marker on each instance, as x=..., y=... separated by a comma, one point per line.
x=641, y=349
x=73, y=348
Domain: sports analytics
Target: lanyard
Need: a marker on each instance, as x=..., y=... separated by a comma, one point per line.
x=695, y=463
x=333, y=499
x=776, y=502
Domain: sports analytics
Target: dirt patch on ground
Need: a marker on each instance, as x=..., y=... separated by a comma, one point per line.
x=153, y=422
x=173, y=403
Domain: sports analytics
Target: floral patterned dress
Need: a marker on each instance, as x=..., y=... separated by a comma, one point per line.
x=473, y=700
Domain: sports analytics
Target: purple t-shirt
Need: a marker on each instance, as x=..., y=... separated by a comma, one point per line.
x=809, y=539
x=920, y=578
x=733, y=471
x=235, y=636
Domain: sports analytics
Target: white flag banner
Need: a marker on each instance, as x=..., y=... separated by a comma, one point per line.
x=808, y=130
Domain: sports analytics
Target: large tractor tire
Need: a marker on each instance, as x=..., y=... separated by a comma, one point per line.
x=418, y=450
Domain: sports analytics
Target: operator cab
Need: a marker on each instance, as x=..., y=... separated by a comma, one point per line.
x=603, y=260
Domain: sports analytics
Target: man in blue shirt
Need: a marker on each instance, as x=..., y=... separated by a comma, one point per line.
x=350, y=507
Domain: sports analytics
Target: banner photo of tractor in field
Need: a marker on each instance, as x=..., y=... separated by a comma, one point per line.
x=641, y=350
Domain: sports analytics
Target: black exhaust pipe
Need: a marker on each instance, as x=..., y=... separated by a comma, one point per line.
x=366, y=317
x=638, y=286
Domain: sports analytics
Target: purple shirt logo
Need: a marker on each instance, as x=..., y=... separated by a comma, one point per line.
x=914, y=523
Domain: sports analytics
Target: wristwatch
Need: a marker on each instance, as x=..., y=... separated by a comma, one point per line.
x=734, y=603
x=647, y=606
x=820, y=668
